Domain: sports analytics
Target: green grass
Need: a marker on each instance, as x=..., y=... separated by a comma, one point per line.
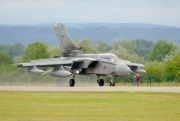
x=89, y=106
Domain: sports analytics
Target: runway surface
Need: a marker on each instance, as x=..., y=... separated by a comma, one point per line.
x=105, y=89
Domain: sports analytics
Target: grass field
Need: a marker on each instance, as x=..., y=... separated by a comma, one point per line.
x=89, y=106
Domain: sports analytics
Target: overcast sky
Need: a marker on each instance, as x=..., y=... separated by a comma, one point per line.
x=163, y=12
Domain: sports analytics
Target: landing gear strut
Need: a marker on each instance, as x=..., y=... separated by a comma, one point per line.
x=111, y=83
x=72, y=82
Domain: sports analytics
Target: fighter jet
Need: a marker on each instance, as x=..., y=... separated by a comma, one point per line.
x=75, y=62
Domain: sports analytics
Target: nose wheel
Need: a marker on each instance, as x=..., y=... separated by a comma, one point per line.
x=111, y=83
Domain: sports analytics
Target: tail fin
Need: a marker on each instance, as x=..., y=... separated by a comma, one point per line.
x=66, y=44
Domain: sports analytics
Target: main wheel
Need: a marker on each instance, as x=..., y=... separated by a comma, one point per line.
x=71, y=82
x=101, y=82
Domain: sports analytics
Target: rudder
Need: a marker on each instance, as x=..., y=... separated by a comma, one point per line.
x=65, y=42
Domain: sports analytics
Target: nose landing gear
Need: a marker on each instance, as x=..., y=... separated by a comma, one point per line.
x=111, y=83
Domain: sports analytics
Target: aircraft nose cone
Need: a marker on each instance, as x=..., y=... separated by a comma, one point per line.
x=123, y=70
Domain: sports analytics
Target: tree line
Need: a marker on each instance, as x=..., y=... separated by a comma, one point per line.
x=161, y=59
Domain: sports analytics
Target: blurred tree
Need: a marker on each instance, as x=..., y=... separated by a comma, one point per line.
x=103, y=47
x=172, y=68
x=36, y=50
x=142, y=47
x=18, y=49
x=54, y=51
x=154, y=71
x=5, y=59
x=123, y=54
x=6, y=49
x=170, y=56
x=154, y=68
x=87, y=46
x=126, y=44
x=13, y=50
x=160, y=50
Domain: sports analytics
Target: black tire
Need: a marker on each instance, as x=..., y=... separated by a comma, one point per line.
x=113, y=84
x=110, y=83
x=101, y=82
x=71, y=82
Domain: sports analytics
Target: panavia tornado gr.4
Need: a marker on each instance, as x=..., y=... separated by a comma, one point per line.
x=74, y=62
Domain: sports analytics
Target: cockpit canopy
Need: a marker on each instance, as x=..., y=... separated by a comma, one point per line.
x=109, y=56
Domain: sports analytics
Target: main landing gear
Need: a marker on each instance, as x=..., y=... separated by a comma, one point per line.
x=72, y=82
x=99, y=81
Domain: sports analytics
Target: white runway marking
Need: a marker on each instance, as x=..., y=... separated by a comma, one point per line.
x=105, y=89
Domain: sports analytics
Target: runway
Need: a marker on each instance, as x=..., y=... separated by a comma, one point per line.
x=95, y=89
